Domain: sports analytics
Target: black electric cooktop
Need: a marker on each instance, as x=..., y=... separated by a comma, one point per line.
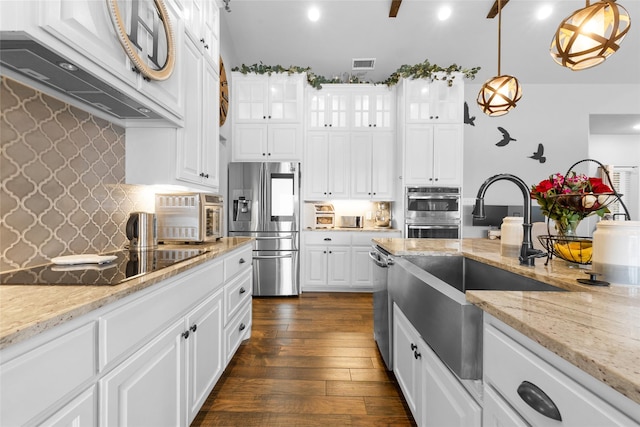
x=127, y=265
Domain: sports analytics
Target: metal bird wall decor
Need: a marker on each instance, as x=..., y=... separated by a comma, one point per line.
x=506, y=138
x=468, y=120
x=539, y=154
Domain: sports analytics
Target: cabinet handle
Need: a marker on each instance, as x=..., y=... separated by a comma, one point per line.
x=264, y=154
x=330, y=125
x=330, y=252
x=369, y=124
x=375, y=125
x=194, y=328
x=268, y=154
x=264, y=117
x=413, y=347
x=325, y=125
x=430, y=179
x=327, y=239
x=269, y=116
x=201, y=40
x=185, y=334
x=241, y=261
x=417, y=355
x=436, y=179
x=324, y=252
x=242, y=290
x=538, y=400
x=206, y=46
x=242, y=327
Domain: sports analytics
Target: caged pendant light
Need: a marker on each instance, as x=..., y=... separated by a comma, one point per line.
x=499, y=94
x=587, y=37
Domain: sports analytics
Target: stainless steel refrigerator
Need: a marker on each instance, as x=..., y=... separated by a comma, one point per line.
x=264, y=203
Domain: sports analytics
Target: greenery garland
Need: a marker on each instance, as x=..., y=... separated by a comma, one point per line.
x=423, y=70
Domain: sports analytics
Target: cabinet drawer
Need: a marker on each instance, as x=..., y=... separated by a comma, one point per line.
x=508, y=365
x=237, y=261
x=35, y=380
x=236, y=331
x=320, y=238
x=131, y=325
x=236, y=293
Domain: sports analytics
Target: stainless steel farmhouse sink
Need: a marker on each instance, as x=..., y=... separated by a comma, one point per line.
x=430, y=292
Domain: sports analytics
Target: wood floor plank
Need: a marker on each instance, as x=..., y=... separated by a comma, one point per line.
x=310, y=361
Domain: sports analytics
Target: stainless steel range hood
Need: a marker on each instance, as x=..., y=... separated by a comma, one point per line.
x=35, y=62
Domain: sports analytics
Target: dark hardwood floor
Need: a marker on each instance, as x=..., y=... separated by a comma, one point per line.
x=311, y=361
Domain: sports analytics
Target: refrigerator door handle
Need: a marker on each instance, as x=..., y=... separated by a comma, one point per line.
x=273, y=256
x=289, y=237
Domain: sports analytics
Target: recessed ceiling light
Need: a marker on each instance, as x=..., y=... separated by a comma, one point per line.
x=444, y=13
x=144, y=110
x=544, y=12
x=313, y=14
x=67, y=66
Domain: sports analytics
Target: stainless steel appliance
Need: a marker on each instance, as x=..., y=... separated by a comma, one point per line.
x=351, y=221
x=141, y=230
x=265, y=205
x=189, y=217
x=432, y=212
x=382, y=306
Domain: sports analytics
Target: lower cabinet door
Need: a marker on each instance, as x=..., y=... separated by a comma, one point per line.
x=407, y=360
x=148, y=388
x=445, y=402
x=81, y=411
x=205, y=355
x=497, y=413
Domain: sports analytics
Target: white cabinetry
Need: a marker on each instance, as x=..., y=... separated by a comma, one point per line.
x=267, y=117
x=407, y=360
x=326, y=261
x=433, y=155
x=34, y=380
x=148, y=388
x=151, y=358
x=203, y=26
x=326, y=171
x=526, y=381
x=83, y=34
x=372, y=160
x=338, y=261
x=435, y=101
x=328, y=108
x=434, y=394
x=175, y=156
x=361, y=264
x=198, y=148
x=373, y=107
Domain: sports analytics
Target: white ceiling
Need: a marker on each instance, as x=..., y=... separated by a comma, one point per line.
x=279, y=33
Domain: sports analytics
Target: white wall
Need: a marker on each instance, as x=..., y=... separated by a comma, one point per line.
x=556, y=116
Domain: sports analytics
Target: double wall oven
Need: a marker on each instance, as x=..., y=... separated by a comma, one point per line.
x=432, y=212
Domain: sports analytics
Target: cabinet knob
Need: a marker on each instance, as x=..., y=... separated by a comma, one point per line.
x=242, y=327
x=375, y=125
x=194, y=328
x=201, y=40
x=437, y=117
x=325, y=193
x=325, y=125
x=330, y=252
x=268, y=154
x=417, y=355
x=436, y=179
x=264, y=154
x=413, y=347
x=185, y=334
x=264, y=117
x=430, y=179
x=242, y=290
x=206, y=175
x=206, y=46
x=330, y=193
x=330, y=125
x=269, y=116
x=538, y=400
x=324, y=252
x=241, y=261
x=369, y=124
x=327, y=239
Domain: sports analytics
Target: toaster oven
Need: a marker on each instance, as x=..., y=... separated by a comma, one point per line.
x=189, y=217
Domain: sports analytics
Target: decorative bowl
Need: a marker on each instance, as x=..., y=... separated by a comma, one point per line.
x=569, y=248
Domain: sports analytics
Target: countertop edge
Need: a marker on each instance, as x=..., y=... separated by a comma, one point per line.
x=15, y=334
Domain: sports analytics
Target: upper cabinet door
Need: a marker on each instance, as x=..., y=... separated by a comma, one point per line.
x=434, y=101
x=268, y=99
x=373, y=108
x=327, y=108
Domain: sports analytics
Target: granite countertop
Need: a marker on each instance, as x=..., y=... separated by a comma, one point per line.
x=367, y=229
x=595, y=328
x=27, y=310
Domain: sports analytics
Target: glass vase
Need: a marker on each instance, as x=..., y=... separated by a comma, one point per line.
x=568, y=229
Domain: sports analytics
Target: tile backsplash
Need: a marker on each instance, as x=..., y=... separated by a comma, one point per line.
x=62, y=176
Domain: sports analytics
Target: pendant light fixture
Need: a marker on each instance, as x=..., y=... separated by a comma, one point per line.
x=499, y=94
x=590, y=35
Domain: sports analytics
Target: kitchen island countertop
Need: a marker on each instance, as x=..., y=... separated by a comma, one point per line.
x=597, y=329
x=27, y=310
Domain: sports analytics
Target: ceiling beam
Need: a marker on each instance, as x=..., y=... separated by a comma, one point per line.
x=494, y=9
x=395, y=6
